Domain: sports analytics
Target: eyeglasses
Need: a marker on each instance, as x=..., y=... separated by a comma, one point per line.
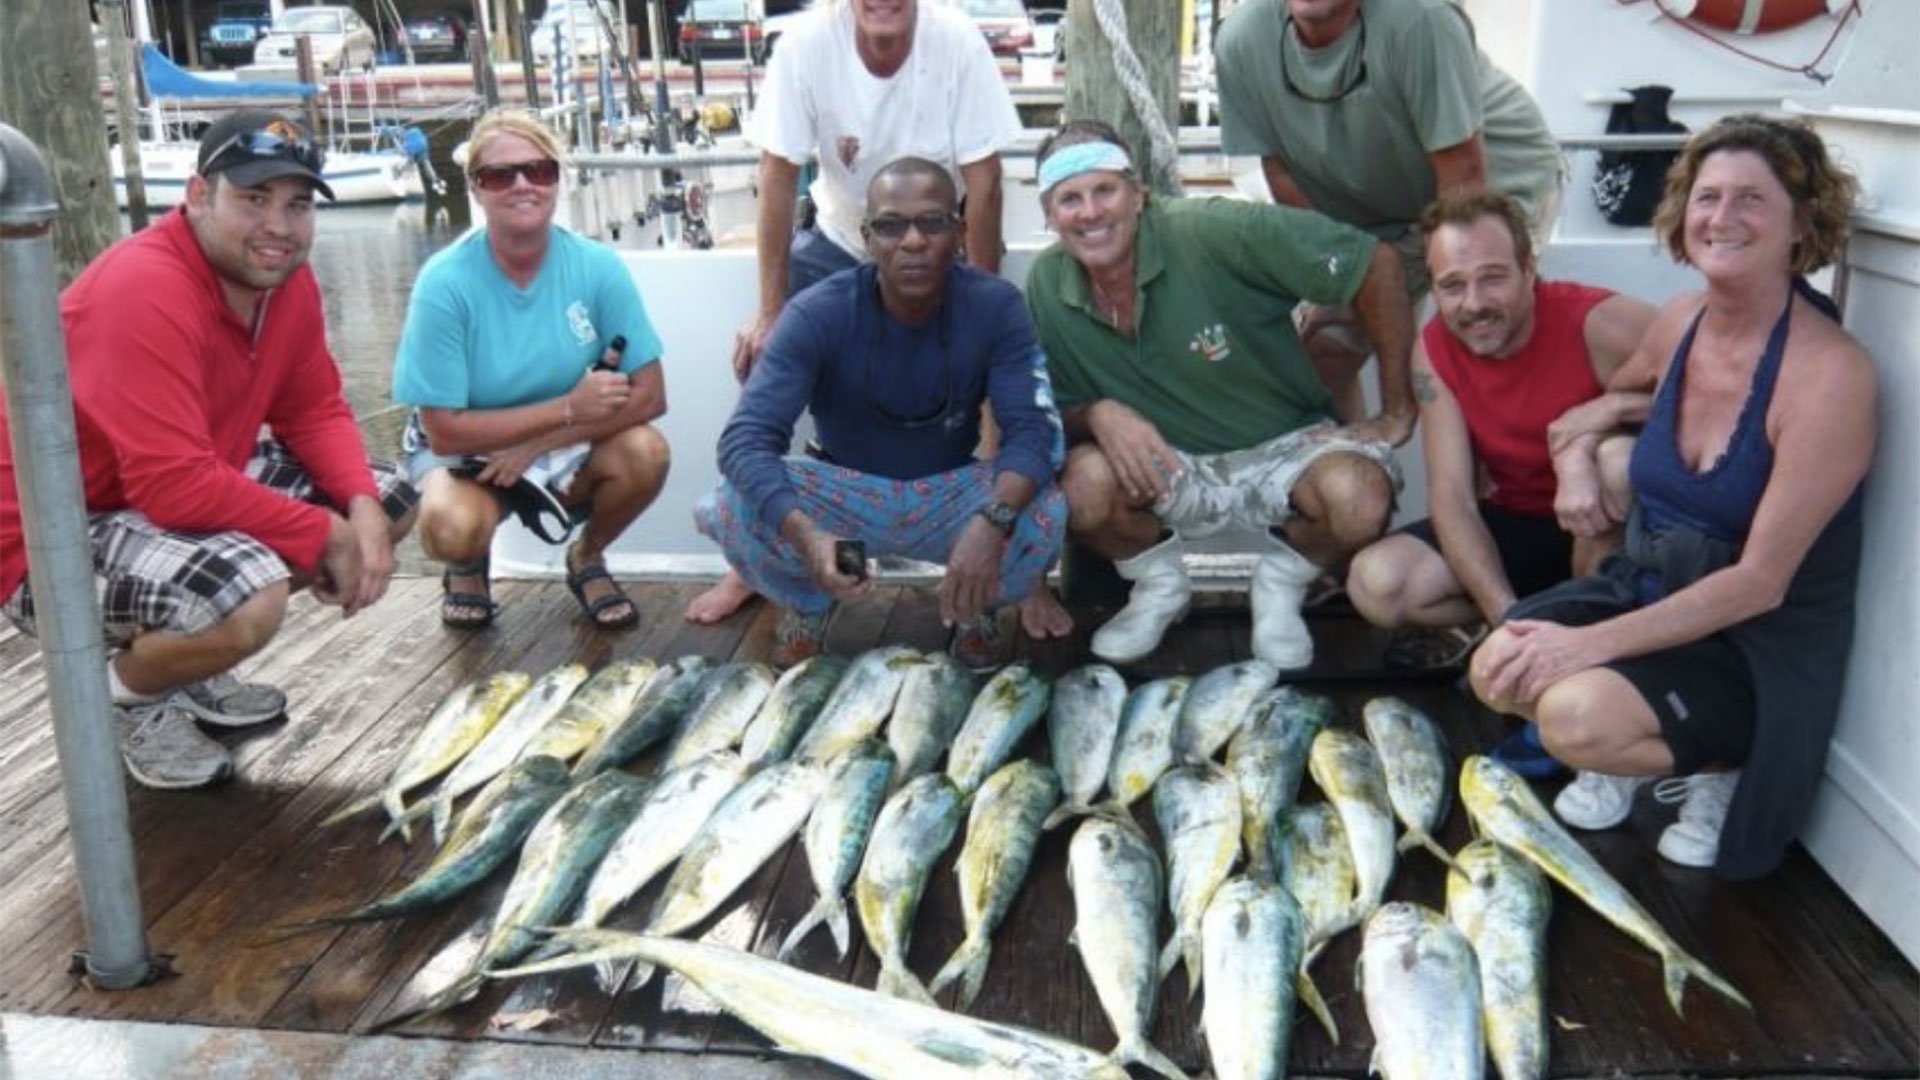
x=274, y=141
x=1288, y=34
x=894, y=226
x=542, y=172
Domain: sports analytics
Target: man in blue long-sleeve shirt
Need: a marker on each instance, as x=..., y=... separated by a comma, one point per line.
x=893, y=359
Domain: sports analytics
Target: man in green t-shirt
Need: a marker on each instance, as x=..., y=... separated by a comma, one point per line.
x=1193, y=407
x=1366, y=110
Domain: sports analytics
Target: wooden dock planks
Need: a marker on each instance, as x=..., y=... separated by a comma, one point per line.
x=221, y=869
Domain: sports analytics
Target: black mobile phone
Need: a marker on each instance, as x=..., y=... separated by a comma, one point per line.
x=850, y=558
x=618, y=346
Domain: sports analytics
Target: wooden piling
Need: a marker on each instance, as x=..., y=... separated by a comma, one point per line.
x=1094, y=91
x=49, y=90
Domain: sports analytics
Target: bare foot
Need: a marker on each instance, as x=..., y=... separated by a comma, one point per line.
x=721, y=601
x=1042, y=617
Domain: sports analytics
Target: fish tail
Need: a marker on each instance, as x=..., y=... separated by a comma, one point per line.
x=1309, y=995
x=815, y=915
x=641, y=975
x=838, y=927
x=968, y=964
x=609, y=976
x=1190, y=950
x=1062, y=814
x=442, y=816
x=1142, y=1052
x=897, y=981
x=397, y=813
x=462, y=990
x=407, y=817
x=1170, y=955
x=1260, y=866
x=1679, y=965
x=1422, y=839
x=351, y=810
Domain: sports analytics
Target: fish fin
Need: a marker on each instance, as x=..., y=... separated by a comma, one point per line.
x=353, y=809
x=1143, y=1052
x=1678, y=965
x=410, y=815
x=1195, y=965
x=641, y=975
x=815, y=915
x=609, y=976
x=897, y=981
x=462, y=990
x=584, y=947
x=968, y=964
x=1309, y=995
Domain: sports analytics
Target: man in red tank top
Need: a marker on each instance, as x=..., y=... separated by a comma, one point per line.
x=1507, y=356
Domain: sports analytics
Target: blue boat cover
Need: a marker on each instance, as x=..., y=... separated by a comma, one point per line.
x=167, y=79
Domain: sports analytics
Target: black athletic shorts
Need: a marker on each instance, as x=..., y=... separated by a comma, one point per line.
x=1701, y=692
x=1535, y=552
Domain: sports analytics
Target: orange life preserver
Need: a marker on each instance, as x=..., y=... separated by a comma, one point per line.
x=1748, y=16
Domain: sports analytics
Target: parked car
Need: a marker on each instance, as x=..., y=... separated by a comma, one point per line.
x=1004, y=23
x=341, y=39
x=719, y=28
x=237, y=26
x=439, y=36
x=590, y=20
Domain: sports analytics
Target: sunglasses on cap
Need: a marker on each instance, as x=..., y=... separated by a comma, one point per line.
x=542, y=172
x=894, y=226
x=276, y=140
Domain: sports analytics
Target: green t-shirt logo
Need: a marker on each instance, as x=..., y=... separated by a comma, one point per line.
x=1211, y=342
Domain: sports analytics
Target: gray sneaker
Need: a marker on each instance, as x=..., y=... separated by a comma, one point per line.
x=164, y=748
x=225, y=701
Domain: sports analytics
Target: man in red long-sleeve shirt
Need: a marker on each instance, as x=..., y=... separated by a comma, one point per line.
x=183, y=342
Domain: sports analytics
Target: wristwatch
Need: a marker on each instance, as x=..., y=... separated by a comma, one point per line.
x=1000, y=515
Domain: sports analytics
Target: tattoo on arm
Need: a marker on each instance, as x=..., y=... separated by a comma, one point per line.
x=1423, y=387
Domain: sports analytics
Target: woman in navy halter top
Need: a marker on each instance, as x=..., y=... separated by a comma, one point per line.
x=1711, y=648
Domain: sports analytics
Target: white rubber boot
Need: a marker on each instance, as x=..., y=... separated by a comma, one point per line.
x=1158, y=600
x=1280, y=582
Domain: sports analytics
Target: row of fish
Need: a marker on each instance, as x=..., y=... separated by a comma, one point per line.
x=753, y=761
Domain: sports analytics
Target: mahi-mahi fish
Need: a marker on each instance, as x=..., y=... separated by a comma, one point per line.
x=1414, y=758
x=1348, y=772
x=457, y=724
x=1422, y=994
x=1501, y=902
x=836, y=836
x=1266, y=758
x=1505, y=808
x=913, y=830
x=1116, y=882
x=1003, y=829
x=869, y=1034
x=1083, y=722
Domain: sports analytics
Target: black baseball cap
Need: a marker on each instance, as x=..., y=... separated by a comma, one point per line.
x=253, y=146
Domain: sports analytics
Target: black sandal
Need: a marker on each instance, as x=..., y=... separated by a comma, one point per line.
x=477, y=608
x=579, y=577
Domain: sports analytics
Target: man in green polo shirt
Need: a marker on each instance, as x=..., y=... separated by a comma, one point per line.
x=1192, y=404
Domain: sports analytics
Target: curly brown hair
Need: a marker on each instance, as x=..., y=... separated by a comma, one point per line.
x=1822, y=192
x=1464, y=206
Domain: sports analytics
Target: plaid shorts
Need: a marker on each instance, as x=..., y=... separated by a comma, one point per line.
x=1250, y=489
x=147, y=578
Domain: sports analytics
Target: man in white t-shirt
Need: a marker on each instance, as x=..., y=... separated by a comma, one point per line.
x=853, y=85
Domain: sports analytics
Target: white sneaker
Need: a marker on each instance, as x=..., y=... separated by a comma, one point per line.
x=1694, y=840
x=225, y=701
x=1597, y=800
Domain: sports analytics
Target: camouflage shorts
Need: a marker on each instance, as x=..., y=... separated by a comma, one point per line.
x=1250, y=489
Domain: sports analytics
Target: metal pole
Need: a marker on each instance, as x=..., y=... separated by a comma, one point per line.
x=33, y=355
x=662, y=117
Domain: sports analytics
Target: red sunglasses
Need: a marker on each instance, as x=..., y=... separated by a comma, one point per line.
x=544, y=172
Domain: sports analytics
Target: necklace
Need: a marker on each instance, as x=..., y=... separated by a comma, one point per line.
x=1109, y=306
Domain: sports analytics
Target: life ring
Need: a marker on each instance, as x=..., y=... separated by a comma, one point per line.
x=1749, y=16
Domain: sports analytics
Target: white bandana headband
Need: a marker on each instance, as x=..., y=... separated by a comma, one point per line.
x=1069, y=162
